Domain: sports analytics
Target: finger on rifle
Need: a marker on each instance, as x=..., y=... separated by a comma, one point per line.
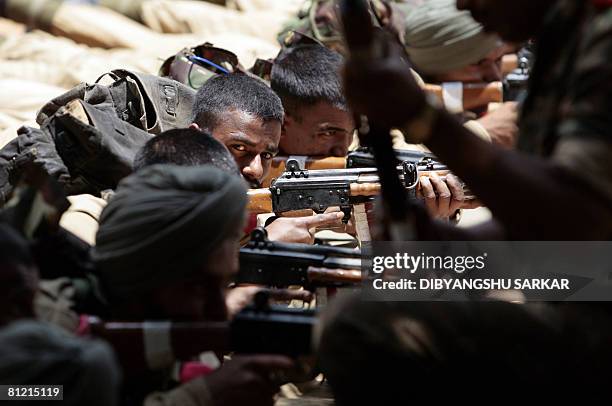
x=290, y=294
x=326, y=219
x=471, y=204
x=427, y=189
x=456, y=188
x=444, y=194
x=332, y=209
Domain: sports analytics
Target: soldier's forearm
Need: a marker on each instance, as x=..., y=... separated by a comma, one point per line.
x=531, y=197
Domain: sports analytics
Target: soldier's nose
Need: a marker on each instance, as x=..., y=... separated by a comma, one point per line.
x=254, y=170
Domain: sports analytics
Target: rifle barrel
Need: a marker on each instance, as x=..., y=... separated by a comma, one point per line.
x=276, y=246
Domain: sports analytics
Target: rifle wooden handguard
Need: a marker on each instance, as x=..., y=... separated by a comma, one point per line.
x=474, y=95
x=349, y=276
x=260, y=201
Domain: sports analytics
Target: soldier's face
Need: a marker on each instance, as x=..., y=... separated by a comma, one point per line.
x=318, y=130
x=252, y=141
x=515, y=21
x=489, y=69
x=201, y=296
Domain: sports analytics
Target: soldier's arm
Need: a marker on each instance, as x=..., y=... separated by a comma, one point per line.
x=533, y=198
x=568, y=196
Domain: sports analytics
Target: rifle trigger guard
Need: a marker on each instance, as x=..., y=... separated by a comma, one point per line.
x=347, y=213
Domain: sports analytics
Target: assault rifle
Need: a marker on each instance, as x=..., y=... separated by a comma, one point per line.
x=317, y=190
x=261, y=328
x=277, y=264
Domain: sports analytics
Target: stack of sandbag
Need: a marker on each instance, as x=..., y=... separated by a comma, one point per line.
x=78, y=42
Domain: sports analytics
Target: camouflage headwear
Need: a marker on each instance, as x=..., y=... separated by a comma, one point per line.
x=318, y=19
x=439, y=38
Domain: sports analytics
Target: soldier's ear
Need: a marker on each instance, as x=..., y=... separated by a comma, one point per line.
x=194, y=126
x=287, y=123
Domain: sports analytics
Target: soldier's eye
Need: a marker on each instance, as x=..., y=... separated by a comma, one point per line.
x=239, y=147
x=267, y=155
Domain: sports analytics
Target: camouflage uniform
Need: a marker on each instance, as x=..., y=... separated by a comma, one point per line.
x=567, y=114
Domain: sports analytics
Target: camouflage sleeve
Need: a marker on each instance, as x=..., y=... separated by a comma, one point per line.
x=590, y=159
x=192, y=393
x=585, y=144
x=587, y=105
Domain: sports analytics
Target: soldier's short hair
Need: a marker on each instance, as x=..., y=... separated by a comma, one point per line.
x=225, y=93
x=306, y=75
x=185, y=147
